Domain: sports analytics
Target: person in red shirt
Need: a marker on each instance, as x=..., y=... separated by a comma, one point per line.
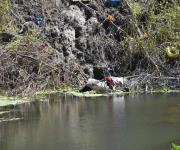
x=110, y=82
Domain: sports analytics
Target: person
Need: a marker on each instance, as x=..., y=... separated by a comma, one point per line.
x=110, y=82
x=113, y=81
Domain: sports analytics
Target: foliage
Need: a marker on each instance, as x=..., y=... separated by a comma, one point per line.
x=5, y=101
x=20, y=41
x=175, y=147
x=4, y=9
x=159, y=22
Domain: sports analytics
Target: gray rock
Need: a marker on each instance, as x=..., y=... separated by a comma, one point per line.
x=74, y=16
x=81, y=44
x=69, y=34
x=92, y=25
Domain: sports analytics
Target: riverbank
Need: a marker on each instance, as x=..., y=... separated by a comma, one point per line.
x=70, y=48
x=6, y=101
x=9, y=105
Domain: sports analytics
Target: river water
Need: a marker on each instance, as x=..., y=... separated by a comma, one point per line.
x=138, y=122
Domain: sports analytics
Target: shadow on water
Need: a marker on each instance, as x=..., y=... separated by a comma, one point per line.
x=135, y=122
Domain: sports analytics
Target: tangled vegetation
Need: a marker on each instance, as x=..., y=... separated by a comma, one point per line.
x=142, y=38
x=28, y=64
x=153, y=31
x=159, y=23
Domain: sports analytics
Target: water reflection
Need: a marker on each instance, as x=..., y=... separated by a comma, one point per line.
x=114, y=122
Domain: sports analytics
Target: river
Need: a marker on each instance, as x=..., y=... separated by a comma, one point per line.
x=136, y=122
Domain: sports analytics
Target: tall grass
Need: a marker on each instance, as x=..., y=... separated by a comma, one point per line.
x=4, y=9
x=159, y=23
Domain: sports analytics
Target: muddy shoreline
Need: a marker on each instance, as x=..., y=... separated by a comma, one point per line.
x=12, y=102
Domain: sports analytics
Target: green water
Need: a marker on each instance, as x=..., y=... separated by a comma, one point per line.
x=144, y=122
